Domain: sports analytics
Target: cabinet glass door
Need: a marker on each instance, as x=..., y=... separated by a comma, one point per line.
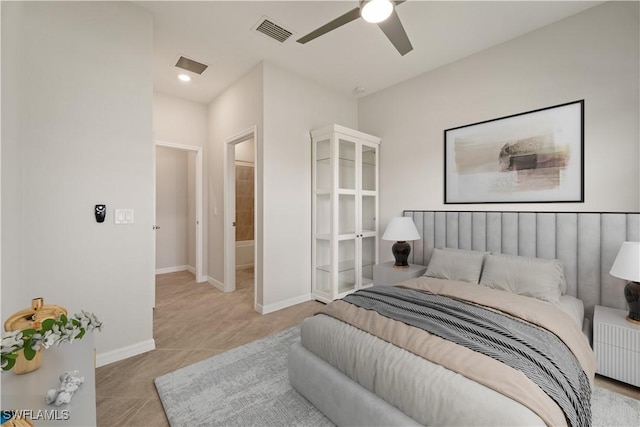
x=323, y=165
x=368, y=260
x=368, y=208
x=368, y=212
x=369, y=166
x=346, y=242
x=346, y=265
x=322, y=213
x=346, y=164
x=323, y=266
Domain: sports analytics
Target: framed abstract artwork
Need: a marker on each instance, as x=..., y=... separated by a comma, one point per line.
x=531, y=157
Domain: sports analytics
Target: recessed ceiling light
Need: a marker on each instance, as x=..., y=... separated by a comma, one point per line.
x=184, y=77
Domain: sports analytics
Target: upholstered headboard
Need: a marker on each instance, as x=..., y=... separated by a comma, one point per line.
x=587, y=243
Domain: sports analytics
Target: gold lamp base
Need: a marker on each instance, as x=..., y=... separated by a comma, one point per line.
x=31, y=318
x=24, y=366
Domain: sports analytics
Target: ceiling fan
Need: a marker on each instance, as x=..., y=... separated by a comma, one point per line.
x=386, y=18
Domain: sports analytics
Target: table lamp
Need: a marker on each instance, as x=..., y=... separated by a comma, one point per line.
x=401, y=229
x=627, y=266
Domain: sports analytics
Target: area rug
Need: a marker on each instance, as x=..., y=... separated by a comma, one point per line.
x=249, y=386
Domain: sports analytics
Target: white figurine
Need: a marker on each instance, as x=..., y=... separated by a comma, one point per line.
x=69, y=383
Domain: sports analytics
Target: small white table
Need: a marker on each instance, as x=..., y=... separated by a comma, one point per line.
x=385, y=274
x=616, y=343
x=27, y=391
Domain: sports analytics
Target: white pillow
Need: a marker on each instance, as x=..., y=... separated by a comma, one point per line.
x=533, y=277
x=455, y=264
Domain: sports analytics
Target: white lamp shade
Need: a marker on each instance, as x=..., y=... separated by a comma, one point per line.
x=401, y=229
x=627, y=263
x=375, y=11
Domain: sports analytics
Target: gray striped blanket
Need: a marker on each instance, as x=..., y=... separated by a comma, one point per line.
x=536, y=352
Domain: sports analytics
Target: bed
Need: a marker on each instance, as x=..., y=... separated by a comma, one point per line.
x=360, y=366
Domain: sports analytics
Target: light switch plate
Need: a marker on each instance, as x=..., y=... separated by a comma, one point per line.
x=123, y=216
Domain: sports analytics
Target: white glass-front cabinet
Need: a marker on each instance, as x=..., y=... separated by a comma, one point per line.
x=345, y=211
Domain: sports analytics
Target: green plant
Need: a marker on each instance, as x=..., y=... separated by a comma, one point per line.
x=52, y=331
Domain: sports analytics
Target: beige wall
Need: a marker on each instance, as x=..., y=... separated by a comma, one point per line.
x=179, y=121
x=77, y=131
x=293, y=106
x=237, y=109
x=284, y=107
x=172, y=208
x=592, y=56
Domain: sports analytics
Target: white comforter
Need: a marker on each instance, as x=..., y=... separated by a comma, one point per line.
x=425, y=391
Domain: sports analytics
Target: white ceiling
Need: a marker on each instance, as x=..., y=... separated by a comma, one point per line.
x=220, y=34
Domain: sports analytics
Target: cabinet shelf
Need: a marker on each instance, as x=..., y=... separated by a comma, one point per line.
x=342, y=266
x=328, y=159
x=346, y=236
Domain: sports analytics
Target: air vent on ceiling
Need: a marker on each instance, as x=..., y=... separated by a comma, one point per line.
x=273, y=30
x=191, y=65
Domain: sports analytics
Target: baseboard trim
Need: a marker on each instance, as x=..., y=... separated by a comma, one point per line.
x=125, y=352
x=270, y=308
x=216, y=283
x=175, y=269
x=241, y=266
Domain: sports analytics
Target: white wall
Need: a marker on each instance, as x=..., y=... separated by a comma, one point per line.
x=293, y=106
x=77, y=132
x=180, y=121
x=172, y=238
x=184, y=122
x=245, y=151
x=591, y=56
x=11, y=163
x=238, y=108
x=284, y=107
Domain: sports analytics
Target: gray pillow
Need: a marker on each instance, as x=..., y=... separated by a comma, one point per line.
x=533, y=277
x=455, y=264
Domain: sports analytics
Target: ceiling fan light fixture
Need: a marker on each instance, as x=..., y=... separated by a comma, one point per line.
x=375, y=11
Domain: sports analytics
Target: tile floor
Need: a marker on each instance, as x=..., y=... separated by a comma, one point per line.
x=192, y=321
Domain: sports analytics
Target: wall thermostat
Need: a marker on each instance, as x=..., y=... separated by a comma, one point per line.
x=101, y=212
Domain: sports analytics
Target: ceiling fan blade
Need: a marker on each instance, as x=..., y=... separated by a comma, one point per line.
x=338, y=22
x=393, y=29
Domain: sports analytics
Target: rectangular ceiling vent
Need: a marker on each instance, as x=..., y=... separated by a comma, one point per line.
x=273, y=30
x=191, y=65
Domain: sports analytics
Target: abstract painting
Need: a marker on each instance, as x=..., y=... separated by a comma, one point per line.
x=531, y=157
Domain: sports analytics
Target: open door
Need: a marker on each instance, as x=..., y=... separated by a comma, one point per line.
x=199, y=225
x=230, y=209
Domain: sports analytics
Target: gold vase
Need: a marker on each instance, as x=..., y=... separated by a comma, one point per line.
x=32, y=318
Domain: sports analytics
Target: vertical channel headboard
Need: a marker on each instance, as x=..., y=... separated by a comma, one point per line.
x=587, y=243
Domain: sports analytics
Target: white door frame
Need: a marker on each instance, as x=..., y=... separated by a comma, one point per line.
x=200, y=276
x=230, y=207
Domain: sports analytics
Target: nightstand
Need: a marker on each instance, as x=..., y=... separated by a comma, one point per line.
x=616, y=344
x=384, y=274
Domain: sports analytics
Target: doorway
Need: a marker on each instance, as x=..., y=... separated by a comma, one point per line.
x=240, y=234
x=195, y=158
